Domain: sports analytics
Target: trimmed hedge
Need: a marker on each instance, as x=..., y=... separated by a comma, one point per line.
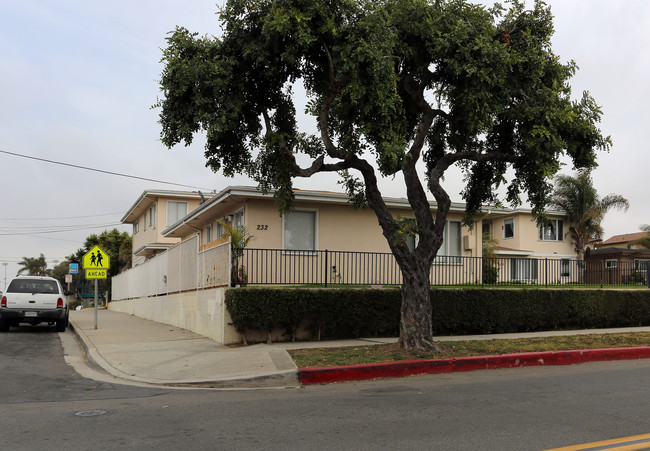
x=351, y=313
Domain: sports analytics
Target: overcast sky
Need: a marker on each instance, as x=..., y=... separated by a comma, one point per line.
x=77, y=80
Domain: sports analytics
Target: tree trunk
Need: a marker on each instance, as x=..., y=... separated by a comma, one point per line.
x=416, y=316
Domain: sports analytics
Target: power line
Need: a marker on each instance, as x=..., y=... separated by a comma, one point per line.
x=60, y=227
x=102, y=171
x=68, y=229
x=65, y=217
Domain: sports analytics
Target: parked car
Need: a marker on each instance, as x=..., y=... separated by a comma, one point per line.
x=34, y=300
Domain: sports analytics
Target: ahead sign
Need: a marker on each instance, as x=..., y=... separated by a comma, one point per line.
x=95, y=274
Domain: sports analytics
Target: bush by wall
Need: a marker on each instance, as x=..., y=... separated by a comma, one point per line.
x=351, y=313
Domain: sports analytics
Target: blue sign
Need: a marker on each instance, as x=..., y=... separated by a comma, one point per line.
x=74, y=268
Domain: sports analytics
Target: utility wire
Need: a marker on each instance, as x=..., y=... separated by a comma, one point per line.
x=102, y=171
x=61, y=227
x=64, y=230
x=65, y=217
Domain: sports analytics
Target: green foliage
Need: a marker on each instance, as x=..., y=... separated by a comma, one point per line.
x=333, y=313
x=33, y=266
x=239, y=238
x=636, y=278
x=445, y=81
x=490, y=272
x=489, y=261
x=350, y=313
x=584, y=208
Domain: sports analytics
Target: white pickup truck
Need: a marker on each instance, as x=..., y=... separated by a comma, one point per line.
x=34, y=300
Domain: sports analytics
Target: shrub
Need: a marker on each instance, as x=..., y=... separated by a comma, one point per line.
x=352, y=313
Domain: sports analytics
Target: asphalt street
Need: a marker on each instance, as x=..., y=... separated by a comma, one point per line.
x=44, y=402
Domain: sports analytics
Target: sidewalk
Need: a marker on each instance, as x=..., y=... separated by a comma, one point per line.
x=139, y=350
x=144, y=351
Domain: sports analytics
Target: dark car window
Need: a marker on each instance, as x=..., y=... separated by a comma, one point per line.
x=33, y=286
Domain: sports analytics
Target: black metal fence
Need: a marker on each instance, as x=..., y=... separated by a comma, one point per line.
x=326, y=267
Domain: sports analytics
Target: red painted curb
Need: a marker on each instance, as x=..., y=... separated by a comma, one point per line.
x=326, y=375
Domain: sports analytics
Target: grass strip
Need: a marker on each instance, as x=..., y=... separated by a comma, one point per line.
x=357, y=355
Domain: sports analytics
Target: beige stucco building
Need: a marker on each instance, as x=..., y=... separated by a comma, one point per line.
x=326, y=220
x=154, y=211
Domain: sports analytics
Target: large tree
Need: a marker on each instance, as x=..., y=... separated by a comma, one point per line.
x=394, y=86
x=33, y=266
x=585, y=210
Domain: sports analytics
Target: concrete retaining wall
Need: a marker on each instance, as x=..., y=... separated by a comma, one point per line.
x=203, y=312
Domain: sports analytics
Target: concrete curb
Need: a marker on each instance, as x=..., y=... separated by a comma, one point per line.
x=308, y=376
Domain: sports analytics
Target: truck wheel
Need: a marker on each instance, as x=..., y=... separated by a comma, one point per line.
x=61, y=324
x=4, y=325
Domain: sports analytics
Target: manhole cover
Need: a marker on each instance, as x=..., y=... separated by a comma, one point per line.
x=90, y=413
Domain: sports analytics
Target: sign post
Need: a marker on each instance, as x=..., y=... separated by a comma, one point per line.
x=96, y=263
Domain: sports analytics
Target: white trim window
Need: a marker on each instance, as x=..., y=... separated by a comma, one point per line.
x=553, y=231
x=523, y=269
x=486, y=228
x=144, y=221
x=176, y=210
x=611, y=264
x=238, y=220
x=136, y=226
x=451, y=249
x=300, y=230
x=221, y=230
x=509, y=228
x=640, y=265
x=152, y=216
x=208, y=234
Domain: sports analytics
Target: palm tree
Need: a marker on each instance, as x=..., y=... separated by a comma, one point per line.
x=585, y=210
x=34, y=266
x=239, y=238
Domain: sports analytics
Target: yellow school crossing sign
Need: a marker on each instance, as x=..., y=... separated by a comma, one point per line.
x=96, y=263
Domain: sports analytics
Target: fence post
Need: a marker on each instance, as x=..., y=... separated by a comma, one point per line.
x=602, y=272
x=326, y=269
x=229, y=264
x=647, y=272
x=546, y=272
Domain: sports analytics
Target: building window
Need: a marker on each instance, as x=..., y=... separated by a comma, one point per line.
x=238, y=220
x=450, y=250
x=523, y=269
x=450, y=247
x=509, y=228
x=611, y=264
x=565, y=267
x=175, y=211
x=136, y=226
x=152, y=216
x=208, y=234
x=553, y=231
x=640, y=265
x=486, y=228
x=144, y=221
x=221, y=230
x=299, y=230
